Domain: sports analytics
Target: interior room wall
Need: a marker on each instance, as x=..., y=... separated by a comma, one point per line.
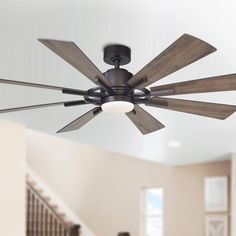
x=12, y=179
x=233, y=198
x=185, y=208
x=104, y=187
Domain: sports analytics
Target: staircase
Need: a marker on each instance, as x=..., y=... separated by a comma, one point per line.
x=43, y=218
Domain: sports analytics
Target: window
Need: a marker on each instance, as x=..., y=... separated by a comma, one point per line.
x=153, y=212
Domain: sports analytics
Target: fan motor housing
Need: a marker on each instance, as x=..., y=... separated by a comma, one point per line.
x=118, y=77
x=122, y=92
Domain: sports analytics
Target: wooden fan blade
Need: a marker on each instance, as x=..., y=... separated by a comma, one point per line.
x=145, y=122
x=67, y=103
x=72, y=54
x=81, y=121
x=44, y=86
x=213, y=110
x=186, y=50
x=212, y=84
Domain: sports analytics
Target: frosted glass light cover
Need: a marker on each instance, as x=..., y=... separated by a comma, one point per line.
x=117, y=107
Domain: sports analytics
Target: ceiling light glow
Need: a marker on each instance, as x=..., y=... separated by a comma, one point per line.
x=117, y=107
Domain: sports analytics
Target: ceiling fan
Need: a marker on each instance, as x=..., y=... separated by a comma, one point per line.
x=119, y=91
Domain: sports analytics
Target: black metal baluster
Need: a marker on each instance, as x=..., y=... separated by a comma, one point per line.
x=55, y=227
x=65, y=232
x=28, y=212
x=60, y=230
x=37, y=218
x=41, y=220
x=51, y=225
x=46, y=222
x=33, y=216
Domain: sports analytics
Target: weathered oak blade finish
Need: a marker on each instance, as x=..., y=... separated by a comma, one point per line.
x=144, y=121
x=44, y=86
x=72, y=54
x=186, y=50
x=66, y=103
x=81, y=121
x=212, y=84
x=213, y=110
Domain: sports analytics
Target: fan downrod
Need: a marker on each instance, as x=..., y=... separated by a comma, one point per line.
x=117, y=55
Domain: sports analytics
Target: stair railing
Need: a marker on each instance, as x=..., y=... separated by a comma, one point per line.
x=43, y=218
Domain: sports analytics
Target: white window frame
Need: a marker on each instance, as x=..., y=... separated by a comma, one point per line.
x=144, y=214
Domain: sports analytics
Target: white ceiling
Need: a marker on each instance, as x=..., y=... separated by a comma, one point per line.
x=148, y=27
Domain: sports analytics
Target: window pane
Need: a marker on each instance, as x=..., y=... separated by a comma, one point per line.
x=154, y=226
x=154, y=198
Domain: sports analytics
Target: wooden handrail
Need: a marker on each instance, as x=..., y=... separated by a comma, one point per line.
x=75, y=230
x=55, y=213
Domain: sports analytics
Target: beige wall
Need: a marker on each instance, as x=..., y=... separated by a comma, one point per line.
x=185, y=197
x=104, y=187
x=12, y=179
x=233, y=195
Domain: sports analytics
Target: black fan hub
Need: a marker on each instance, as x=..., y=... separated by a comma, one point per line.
x=118, y=78
x=117, y=55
